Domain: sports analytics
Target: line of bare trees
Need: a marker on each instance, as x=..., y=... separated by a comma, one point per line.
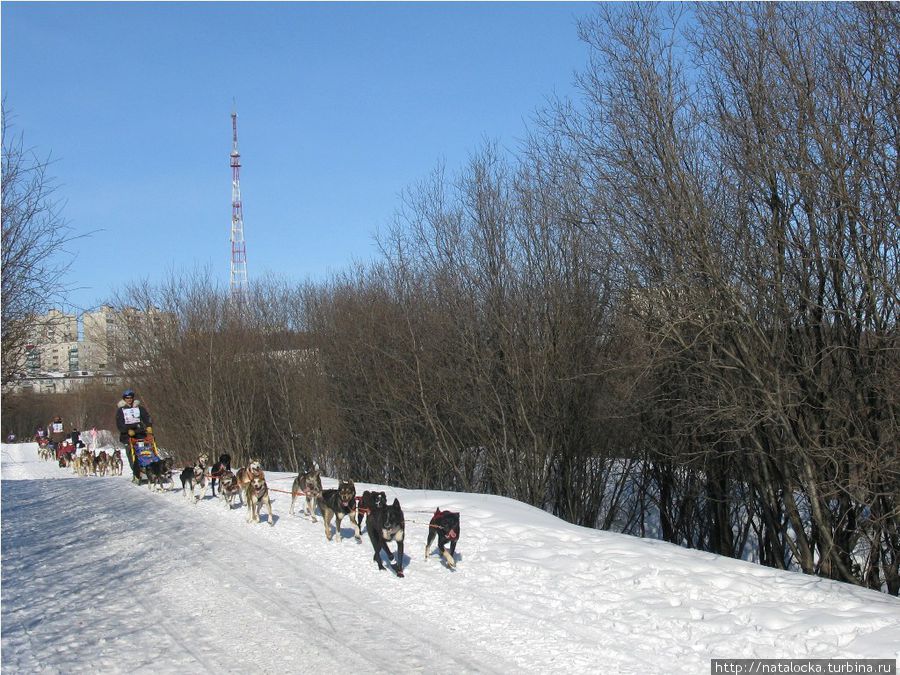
x=743, y=168
x=674, y=313
x=84, y=409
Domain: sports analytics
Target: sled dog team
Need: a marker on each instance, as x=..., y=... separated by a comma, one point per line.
x=385, y=522
x=87, y=462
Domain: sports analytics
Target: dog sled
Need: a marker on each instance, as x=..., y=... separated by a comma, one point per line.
x=143, y=451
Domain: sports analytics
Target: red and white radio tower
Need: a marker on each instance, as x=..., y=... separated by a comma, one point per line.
x=238, y=248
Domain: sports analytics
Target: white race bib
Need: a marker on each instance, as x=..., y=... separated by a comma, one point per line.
x=57, y=427
x=132, y=415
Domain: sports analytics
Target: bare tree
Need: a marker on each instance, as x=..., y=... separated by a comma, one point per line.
x=34, y=260
x=743, y=168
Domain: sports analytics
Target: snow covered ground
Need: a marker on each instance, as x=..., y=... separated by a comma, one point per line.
x=99, y=575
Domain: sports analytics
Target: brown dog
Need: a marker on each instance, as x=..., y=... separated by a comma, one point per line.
x=87, y=463
x=309, y=485
x=101, y=463
x=339, y=503
x=229, y=489
x=247, y=473
x=256, y=494
x=116, y=463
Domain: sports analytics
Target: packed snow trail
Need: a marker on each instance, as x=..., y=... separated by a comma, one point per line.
x=120, y=579
x=100, y=575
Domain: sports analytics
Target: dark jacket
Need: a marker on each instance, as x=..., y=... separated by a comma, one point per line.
x=141, y=420
x=57, y=434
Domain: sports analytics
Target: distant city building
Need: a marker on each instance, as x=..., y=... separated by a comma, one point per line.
x=50, y=338
x=58, y=383
x=54, y=326
x=104, y=329
x=56, y=360
x=59, y=357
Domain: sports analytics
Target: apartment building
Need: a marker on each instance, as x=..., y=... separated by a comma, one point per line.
x=51, y=336
x=54, y=326
x=103, y=331
x=55, y=346
x=56, y=360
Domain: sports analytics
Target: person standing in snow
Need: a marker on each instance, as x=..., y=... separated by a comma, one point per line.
x=133, y=421
x=75, y=435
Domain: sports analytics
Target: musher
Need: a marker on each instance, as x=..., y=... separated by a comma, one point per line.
x=133, y=421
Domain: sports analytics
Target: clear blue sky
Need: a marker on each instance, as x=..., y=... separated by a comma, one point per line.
x=340, y=107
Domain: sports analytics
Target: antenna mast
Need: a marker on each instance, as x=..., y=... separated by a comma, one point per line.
x=238, y=248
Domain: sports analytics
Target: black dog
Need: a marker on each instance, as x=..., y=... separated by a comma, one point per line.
x=386, y=524
x=370, y=500
x=218, y=469
x=191, y=477
x=445, y=526
x=159, y=471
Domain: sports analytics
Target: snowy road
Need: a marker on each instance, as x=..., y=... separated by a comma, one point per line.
x=122, y=579
x=102, y=576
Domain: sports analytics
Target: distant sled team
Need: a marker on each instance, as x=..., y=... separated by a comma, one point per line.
x=82, y=460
